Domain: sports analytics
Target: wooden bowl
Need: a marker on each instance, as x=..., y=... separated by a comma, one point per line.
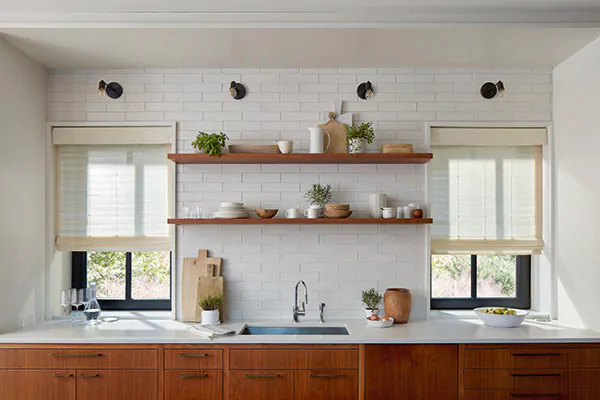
x=344, y=207
x=266, y=214
x=337, y=213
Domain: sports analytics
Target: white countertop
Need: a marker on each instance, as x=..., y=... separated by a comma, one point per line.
x=162, y=331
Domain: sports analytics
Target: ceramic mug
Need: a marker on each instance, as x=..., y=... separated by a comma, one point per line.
x=388, y=212
x=312, y=212
x=292, y=213
x=285, y=146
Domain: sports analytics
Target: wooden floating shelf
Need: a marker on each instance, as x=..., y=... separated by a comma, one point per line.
x=301, y=221
x=299, y=158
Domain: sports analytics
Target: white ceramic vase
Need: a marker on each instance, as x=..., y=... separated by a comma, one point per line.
x=210, y=317
x=369, y=311
x=356, y=146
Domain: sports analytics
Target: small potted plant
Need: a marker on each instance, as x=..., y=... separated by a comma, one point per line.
x=318, y=196
x=210, y=308
x=371, y=299
x=357, y=136
x=210, y=143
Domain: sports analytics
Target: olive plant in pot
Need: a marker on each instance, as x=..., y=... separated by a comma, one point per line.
x=318, y=196
x=210, y=143
x=358, y=136
x=371, y=299
x=210, y=308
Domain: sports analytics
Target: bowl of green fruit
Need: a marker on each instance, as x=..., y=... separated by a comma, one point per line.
x=501, y=317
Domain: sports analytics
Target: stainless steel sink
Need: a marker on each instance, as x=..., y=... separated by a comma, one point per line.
x=294, y=330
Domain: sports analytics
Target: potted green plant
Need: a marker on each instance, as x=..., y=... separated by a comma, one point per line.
x=318, y=196
x=210, y=143
x=357, y=136
x=371, y=299
x=210, y=308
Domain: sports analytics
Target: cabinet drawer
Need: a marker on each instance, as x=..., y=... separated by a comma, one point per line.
x=546, y=381
x=293, y=359
x=261, y=384
x=99, y=384
x=325, y=385
x=516, y=358
x=79, y=358
x=510, y=395
x=193, y=385
x=194, y=359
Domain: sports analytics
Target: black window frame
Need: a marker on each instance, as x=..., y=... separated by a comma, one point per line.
x=522, y=300
x=79, y=280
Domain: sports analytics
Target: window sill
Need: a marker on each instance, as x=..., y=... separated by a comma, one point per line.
x=139, y=315
x=469, y=314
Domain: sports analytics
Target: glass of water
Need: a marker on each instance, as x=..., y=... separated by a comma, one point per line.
x=65, y=303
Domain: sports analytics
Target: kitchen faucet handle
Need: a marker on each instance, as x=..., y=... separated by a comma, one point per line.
x=303, y=306
x=322, y=312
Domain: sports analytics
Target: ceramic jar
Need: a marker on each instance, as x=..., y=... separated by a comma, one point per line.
x=397, y=303
x=210, y=317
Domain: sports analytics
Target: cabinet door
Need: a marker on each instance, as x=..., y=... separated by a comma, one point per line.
x=37, y=384
x=193, y=385
x=116, y=385
x=326, y=384
x=411, y=372
x=261, y=385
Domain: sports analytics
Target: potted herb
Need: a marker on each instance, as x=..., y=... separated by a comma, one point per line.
x=318, y=196
x=211, y=144
x=371, y=299
x=210, y=308
x=357, y=136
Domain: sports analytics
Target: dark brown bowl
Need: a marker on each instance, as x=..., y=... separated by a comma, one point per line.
x=266, y=214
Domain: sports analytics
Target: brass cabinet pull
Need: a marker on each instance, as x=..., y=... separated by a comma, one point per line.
x=327, y=375
x=89, y=375
x=193, y=355
x=62, y=375
x=536, y=354
x=529, y=375
x=535, y=395
x=189, y=376
x=75, y=355
x=262, y=376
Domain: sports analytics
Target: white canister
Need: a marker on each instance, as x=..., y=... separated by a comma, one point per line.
x=313, y=212
x=388, y=212
x=210, y=317
x=407, y=212
x=292, y=213
x=316, y=145
x=376, y=202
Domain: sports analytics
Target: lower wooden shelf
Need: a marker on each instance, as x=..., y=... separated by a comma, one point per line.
x=301, y=221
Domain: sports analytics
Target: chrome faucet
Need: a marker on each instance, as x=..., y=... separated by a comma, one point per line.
x=297, y=312
x=322, y=313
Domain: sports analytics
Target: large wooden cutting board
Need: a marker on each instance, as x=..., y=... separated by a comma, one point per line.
x=194, y=268
x=337, y=132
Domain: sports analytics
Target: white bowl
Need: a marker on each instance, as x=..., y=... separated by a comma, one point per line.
x=380, y=324
x=501, y=321
x=232, y=205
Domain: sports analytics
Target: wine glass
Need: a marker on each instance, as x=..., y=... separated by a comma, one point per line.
x=74, y=295
x=65, y=302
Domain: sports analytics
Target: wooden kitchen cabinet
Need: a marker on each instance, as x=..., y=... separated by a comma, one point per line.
x=411, y=372
x=117, y=385
x=326, y=384
x=37, y=384
x=193, y=385
x=261, y=384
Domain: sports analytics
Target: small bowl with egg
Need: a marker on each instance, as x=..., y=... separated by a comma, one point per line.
x=501, y=317
x=376, y=322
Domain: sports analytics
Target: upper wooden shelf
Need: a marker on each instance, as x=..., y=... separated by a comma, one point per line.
x=301, y=221
x=299, y=158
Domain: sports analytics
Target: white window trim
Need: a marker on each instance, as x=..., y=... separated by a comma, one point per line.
x=58, y=272
x=543, y=275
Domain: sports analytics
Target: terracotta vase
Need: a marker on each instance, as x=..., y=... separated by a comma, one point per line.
x=397, y=303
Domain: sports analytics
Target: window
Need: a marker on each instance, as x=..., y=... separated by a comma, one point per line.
x=469, y=281
x=484, y=190
x=114, y=194
x=126, y=280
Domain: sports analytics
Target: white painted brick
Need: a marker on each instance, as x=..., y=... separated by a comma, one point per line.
x=300, y=97
x=281, y=107
x=299, y=116
x=260, y=78
x=222, y=116
x=407, y=107
x=279, y=126
x=168, y=97
x=397, y=88
x=416, y=116
x=454, y=78
x=118, y=107
x=436, y=106
x=376, y=79
x=338, y=78
x=435, y=87
x=216, y=177
x=67, y=116
x=159, y=106
x=415, y=97
x=318, y=88
x=203, y=87
x=164, y=88
x=280, y=88
x=144, y=116
x=412, y=78
x=280, y=187
x=114, y=116
x=93, y=107
x=262, y=116
x=204, y=106
x=261, y=178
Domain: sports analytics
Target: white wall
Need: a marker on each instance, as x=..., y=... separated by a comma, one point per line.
x=22, y=178
x=577, y=187
x=262, y=264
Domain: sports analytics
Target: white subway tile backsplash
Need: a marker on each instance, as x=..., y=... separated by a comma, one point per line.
x=262, y=263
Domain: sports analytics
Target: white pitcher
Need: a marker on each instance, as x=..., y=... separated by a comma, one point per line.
x=316, y=140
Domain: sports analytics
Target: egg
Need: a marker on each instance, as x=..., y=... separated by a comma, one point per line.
x=374, y=317
x=386, y=318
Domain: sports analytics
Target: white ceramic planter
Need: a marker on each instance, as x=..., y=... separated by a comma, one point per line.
x=369, y=312
x=356, y=146
x=210, y=317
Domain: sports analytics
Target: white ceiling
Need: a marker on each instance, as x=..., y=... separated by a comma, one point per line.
x=398, y=47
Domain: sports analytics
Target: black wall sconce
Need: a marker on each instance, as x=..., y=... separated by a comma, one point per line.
x=365, y=90
x=490, y=89
x=237, y=90
x=112, y=90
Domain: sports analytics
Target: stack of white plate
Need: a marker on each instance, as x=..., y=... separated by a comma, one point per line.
x=231, y=210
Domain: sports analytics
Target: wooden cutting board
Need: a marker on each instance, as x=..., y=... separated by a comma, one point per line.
x=337, y=132
x=208, y=285
x=194, y=268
